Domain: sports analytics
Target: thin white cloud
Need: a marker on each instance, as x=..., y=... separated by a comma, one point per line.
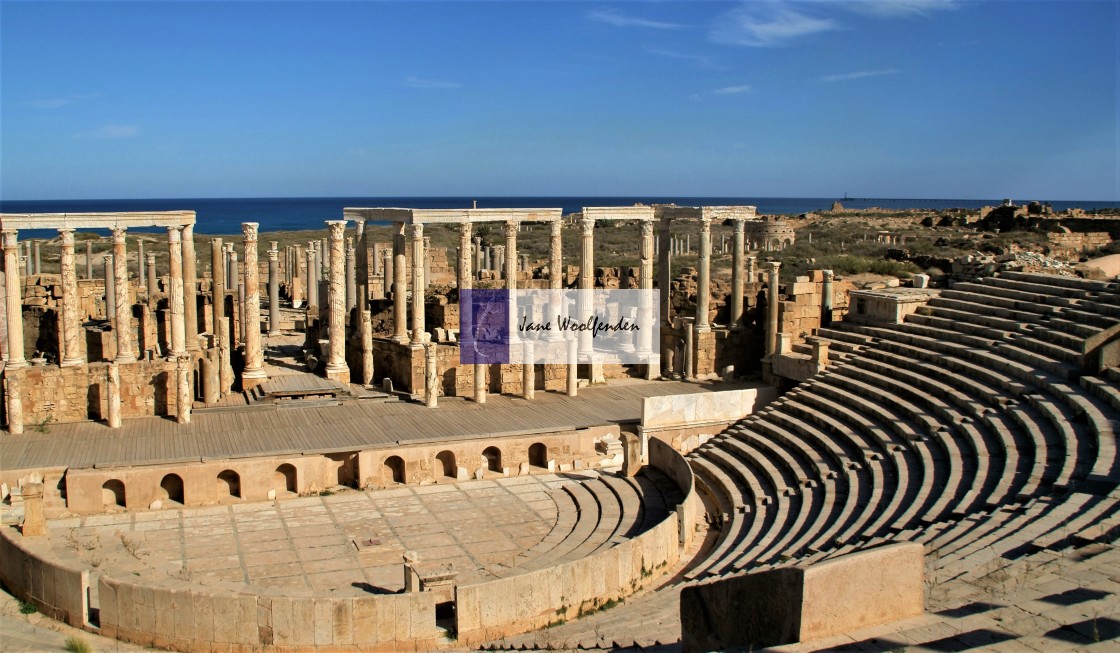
x=859, y=74
x=616, y=18
x=767, y=24
x=732, y=90
x=59, y=102
x=700, y=59
x=417, y=82
x=108, y=132
x=898, y=8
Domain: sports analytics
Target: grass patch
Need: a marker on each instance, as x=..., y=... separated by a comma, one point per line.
x=78, y=645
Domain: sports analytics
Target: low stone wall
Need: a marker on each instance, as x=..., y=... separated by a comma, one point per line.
x=187, y=619
x=56, y=589
x=516, y=604
x=666, y=459
x=799, y=604
x=687, y=421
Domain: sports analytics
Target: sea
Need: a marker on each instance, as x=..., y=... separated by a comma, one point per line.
x=219, y=216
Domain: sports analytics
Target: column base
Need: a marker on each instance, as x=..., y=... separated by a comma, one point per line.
x=274, y=333
x=400, y=340
x=340, y=374
x=131, y=358
x=71, y=362
x=15, y=365
x=706, y=328
x=252, y=378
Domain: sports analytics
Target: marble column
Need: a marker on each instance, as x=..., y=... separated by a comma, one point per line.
x=234, y=272
x=184, y=398
x=387, y=272
x=240, y=313
x=772, y=307
x=431, y=376
x=110, y=289
x=703, y=281
x=573, y=369
x=89, y=259
x=13, y=308
x=528, y=371
x=479, y=383
x=221, y=323
x=140, y=258
x=254, y=373
x=113, y=387
x=13, y=396
x=312, y=285
x=427, y=263
x=418, y=256
x=826, y=299
x=586, y=279
x=556, y=274
x=123, y=303
x=367, y=347
x=351, y=276
x=273, y=291
x=175, y=294
x=752, y=269
x=190, y=289
x=645, y=281
x=337, y=369
x=480, y=256
x=511, y=275
x=295, y=283
x=465, y=256
x=400, y=306
x=735, y=317
x=153, y=287
x=71, y=316
x=38, y=261
x=664, y=270
x=361, y=257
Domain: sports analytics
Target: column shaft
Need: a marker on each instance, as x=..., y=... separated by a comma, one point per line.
x=735, y=317
x=351, y=277
x=190, y=289
x=586, y=279
x=175, y=293
x=400, y=308
x=153, y=286
x=254, y=372
x=110, y=289
x=465, y=271
x=703, y=282
x=273, y=292
x=336, y=354
x=123, y=302
x=13, y=308
x=772, y=307
x=417, y=284
x=645, y=281
x=664, y=270
x=71, y=318
x=221, y=322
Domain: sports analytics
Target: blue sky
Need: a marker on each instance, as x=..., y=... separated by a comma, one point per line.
x=904, y=98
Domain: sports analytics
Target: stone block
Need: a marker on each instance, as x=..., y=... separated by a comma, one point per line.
x=364, y=617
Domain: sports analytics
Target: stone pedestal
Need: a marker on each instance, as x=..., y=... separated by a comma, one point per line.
x=34, y=523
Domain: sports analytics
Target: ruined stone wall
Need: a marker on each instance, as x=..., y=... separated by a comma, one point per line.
x=1071, y=245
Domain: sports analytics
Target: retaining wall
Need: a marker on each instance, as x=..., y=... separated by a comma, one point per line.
x=57, y=590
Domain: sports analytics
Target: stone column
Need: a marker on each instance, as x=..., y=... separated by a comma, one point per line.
x=479, y=383
x=13, y=396
x=89, y=259
x=664, y=270
x=556, y=273
x=38, y=262
x=387, y=272
x=233, y=276
x=337, y=369
x=367, y=347
x=273, y=291
x=400, y=308
x=528, y=371
x=688, y=357
x=190, y=289
x=184, y=397
x=465, y=256
x=175, y=294
x=110, y=289
x=113, y=387
x=752, y=269
x=296, y=280
x=427, y=262
x=480, y=256
x=511, y=274
x=772, y=307
x=645, y=281
x=362, y=266
x=254, y=373
x=826, y=299
x=123, y=304
x=586, y=279
x=140, y=259
x=735, y=318
x=351, y=276
x=573, y=358
x=240, y=312
x=431, y=376
x=28, y=262
x=221, y=323
x=417, y=284
x=312, y=284
x=703, y=282
x=153, y=287
x=71, y=317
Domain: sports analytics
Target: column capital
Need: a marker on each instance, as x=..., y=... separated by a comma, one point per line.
x=11, y=237
x=466, y=228
x=173, y=235
x=705, y=223
x=336, y=229
x=359, y=224
x=586, y=226
x=67, y=236
x=417, y=231
x=477, y=239
x=738, y=223
x=107, y=258
x=827, y=275
x=555, y=227
x=273, y=255
x=151, y=259
x=188, y=230
x=274, y=244
x=249, y=230
x=118, y=235
x=511, y=227
x=349, y=245
x=772, y=266
x=646, y=227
